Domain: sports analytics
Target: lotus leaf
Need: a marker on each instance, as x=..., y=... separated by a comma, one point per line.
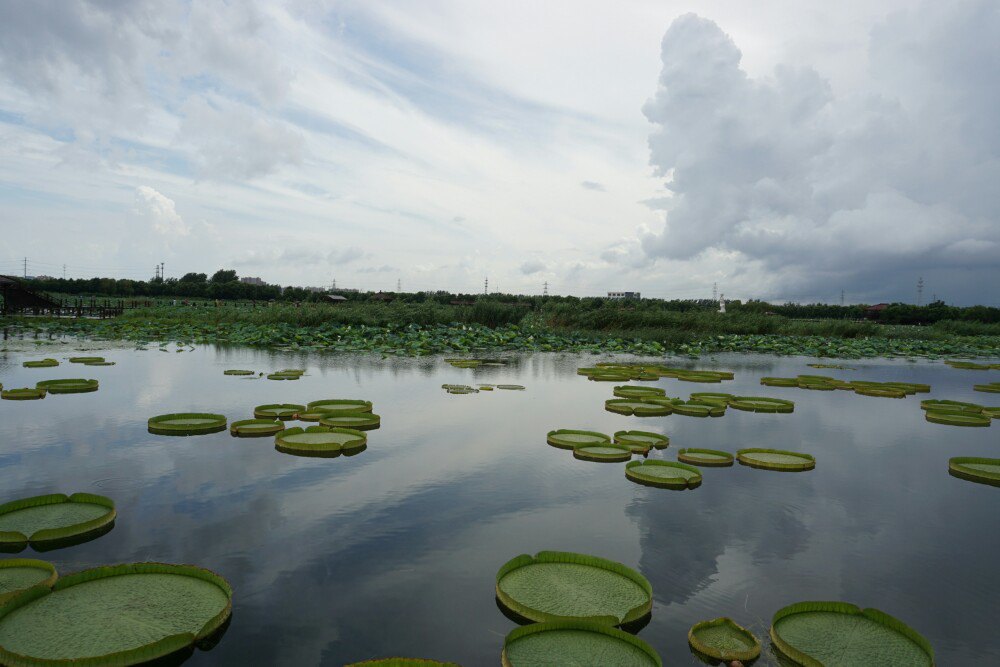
x=705, y=457
x=603, y=452
x=19, y=574
x=642, y=440
x=341, y=406
x=723, y=639
x=43, y=363
x=663, y=474
x=761, y=404
x=559, y=586
x=569, y=438
x=360, y=421
x=976, y=469
x=282, y=411
x=68, y=386
x=25, y=394
x=51, y=518
x=255, y=428
x=320, y=440
x=575, y=643
x=957, y=418
x=187, y=423
x=775, y=459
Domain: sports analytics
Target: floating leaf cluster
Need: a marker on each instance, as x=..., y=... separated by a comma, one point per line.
x=861, y=387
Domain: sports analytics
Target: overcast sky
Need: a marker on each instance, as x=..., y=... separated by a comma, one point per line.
x=781, y=150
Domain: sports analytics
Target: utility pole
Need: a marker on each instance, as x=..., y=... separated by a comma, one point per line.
x=715, y=291
x=163, y=272
x=545, y=288
x=920, y=290
x=486, y=285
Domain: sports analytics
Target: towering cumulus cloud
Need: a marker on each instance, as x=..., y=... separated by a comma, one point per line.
x=817, y=192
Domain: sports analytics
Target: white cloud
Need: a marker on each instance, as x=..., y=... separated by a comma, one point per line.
x=532, y=267
x=160, y=212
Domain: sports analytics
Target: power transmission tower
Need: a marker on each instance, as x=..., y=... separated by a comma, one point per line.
x=25, y=267
x=333, y=285
x=486, y=285
x=715, y=291
x=933, y=298
x=163, y=273
x=920, y=290
x=64, y=272
x=545, y=288
x=841, y=297
x=399, y=284
x=156, y=272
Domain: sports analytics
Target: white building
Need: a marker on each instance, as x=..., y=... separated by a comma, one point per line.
x=624, y=295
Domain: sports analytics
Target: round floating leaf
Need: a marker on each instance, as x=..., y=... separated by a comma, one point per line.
x=459, y=389
x=402, y=662
x=992, y=387
x=365, y=421
x=566, y=438
x=634, y=391
x=559, y=586
x=234, y=371
x=85, y=360
x=775, y=459
x=575, y=643
x=513, y=387
x=255, y=428
x=642, y=440
x=976, y=469
x=69, y=386
x=957, y=418
x=761, y=404
x=341, y=406
x=101, y=363
x=939, y=405
x=283, y=411
x=320, y=441
x=20, y=574
x=992, y=412
x=969, y=366
x=47, y=520
x=663, y=474
x=713, y=395
x=187, y=423
x=779, y=382
x=114, y=615
x=605, y=452
x=698, y=409
x=43, y=363
x=630, y=406
x=832, y=634
x=705, y=457
x=25, y=394
x=881, y=392
x=723, y=639
x=283, y=376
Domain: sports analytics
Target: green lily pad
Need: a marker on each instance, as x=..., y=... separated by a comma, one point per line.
x=957, y=419
x=42, y=363
x=115, y=615
x=283, y=376
x=605, y=452
x=102, y=362
x=723, y=639
x=341, y=406
x=46, y=520
x=938, y=405
x=565, y=438
x=637, y=391
x=976, y=469
x=511, y=387
x=575, y=643
x=560, y=586
x=838, y=634
x=20, y=574
x=881, y=392
x=283, y=411
x=663, y=474
x=761, y=404
x=969, y=366
x=705, y=457
x=690, y=409
x=85, y=360
x=365, y=421
x=236, y=371
x=629, y=406
x=187, y=423
x=991, y=388
x=255, y=428
x=779, y=382
x=25, y=394
x=775, y=459
x=320, y=441
x=68, y=386
x=642, y=441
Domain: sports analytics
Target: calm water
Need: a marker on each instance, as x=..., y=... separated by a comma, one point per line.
x=394, y=551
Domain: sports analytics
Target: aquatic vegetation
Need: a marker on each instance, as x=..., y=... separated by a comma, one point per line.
x=114, y=615
x=575, y=643
x=779, y=382
x=68, y=386
x=50, y=519
x=20, y=574
x=723, y=639
x=939, y=405
x=761, y=404
x=402, y=662
x=255, y=428
x=838, y=634
x=957, y=418
x=627, y=406
x=637, y=391
x=565, y=438
x=101, y=363
x=603, y=452
x=23, y=394
x=459, y=389
x=282, y=411
x=696, y=409
x=837, y=366
x=86, y=360
x=236, y=371
x=992, y=387
x=969, y=366
x=642, y=441
x=705, y=457
x=664, y=474
x=283, y=376
x=340, y=406
x=187, y=423
x=775, y=459
x=976, y=469
x=320, y=441
x=560, y=586
x=363, y=421
x=43, y=363
x=513, y=387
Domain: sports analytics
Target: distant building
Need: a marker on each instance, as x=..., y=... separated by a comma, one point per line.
x=624, y=295
x=315, y=290
x=252, y=281
x=41, y=277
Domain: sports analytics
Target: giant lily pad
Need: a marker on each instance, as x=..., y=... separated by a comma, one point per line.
x=41, y=363
x=705, y=457
x=642, y=441
x=939, y=405
x=838, y=634
x=698, y=409
x=629, y=406
x=341, y=406
x=237, y=371
x=25, y=394
x=566, y=438
x=45, y=521
x=976, y=469
x=663, y=474
x=775, y=459
x=102, y=362
x=779, y=382
x=362, y=421
x=604, y=452
x=992, y=387
x=761, y=404
x=560, y=586
x=575, y=643
x=86, y=360
x=255, y=428
x=115, y=615
x=957, y=418
x=283, y=376
x=511, y=387
x=637, y=391
x=320, y=441
x=187, y=423
x=723, y=639
x=68, y=386
x=283, y=411
x=20, y=574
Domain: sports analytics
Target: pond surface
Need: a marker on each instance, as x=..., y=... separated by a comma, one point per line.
x=394, y=551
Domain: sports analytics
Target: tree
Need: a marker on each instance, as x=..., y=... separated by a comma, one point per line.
x=193, y=278
x=224, y=276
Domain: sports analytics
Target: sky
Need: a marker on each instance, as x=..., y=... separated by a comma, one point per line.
x=807, y=151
